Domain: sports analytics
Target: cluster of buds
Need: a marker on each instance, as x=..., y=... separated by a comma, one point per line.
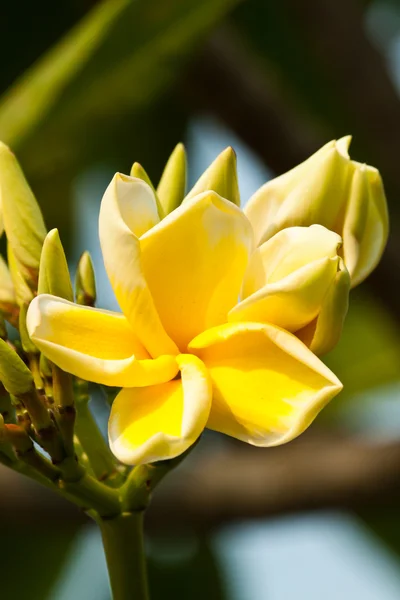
x=42, y=408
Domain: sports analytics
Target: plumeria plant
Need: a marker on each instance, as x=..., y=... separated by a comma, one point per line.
x=224, y=314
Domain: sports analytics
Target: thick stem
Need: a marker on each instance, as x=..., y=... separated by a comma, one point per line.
x=124, y=549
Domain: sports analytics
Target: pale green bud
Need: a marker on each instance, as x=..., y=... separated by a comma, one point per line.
x=172, y=186
x=14, y=374
x=23, y=221
x=138, y=171
x=23, y=292
x=54, y=275
x=27, y=345
x=85, y=281
x=8, y=300
x=220, y=177
x=332, y=190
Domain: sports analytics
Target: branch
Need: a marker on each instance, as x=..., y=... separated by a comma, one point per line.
x=315, y=472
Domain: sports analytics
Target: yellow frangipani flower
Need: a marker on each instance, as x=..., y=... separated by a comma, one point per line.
x=330, y=189
x=183, y=362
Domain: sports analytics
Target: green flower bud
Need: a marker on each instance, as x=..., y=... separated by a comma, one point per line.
x=85, y=281
x=138, y=171
x=220, y=177
x=27, y=345
x=54, y=275
x=23, y=292
x=172, y=186
x=14, y=374
x=8, y=300
x=23, y=221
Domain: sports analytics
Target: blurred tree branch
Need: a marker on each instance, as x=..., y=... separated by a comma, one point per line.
x=318, y=471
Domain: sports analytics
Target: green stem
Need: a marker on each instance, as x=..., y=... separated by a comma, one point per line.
x=124, y=550
x=92, y=441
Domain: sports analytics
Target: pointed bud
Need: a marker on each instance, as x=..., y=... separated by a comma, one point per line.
x=23, y=221
x=332, y=190
x=14, y=374
x=172, y=186
x=220, y=177
x=27, y=345
x=8, y=300
x=54, y=275
x=85, y=281
x=138, y=171
x=23, y=292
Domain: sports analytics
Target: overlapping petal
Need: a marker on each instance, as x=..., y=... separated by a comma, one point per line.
x=162, y=421
x=288, y=277
x=267, y=386
x=366, y=223
x=312, y=192
x=129, y=209
x=323, y=333
x=94, y=344
x=194, y=261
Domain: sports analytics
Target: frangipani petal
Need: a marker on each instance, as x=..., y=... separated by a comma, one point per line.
x=128, y=209
x=322, y=334
x=267, y=385
x=288, y=278
x=366, y=223
x=162, y=421
x=94, y=344
x=194, y=261
x=312, y=192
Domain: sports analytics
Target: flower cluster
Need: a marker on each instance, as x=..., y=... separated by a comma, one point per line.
x=224, y=311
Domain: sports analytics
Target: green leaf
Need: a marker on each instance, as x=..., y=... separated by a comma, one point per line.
x=118, y=59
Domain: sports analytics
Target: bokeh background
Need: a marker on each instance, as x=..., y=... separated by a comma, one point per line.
x=88, y=87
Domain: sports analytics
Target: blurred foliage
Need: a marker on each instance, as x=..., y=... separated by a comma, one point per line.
x=95, y=95
x=178, y=571
x=31, y=562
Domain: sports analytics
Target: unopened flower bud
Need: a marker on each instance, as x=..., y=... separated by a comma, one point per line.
x=23, y=221
x=54, y=275
x=85, y=281
x=14, y=374
x=172, y=186
x=220, y=177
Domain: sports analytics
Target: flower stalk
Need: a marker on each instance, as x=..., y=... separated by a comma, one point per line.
x=124, y=549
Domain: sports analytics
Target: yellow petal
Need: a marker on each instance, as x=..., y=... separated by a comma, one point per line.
x=366, y=223
x=288, y=278
x=312, y=192
x=267, y=385
x=322, y=334
x=161, y=421
x=194, y=261
x=128, y=209
x=94, y=344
